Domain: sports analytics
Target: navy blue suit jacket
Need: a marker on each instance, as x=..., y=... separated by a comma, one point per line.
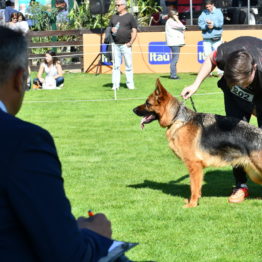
x=36, y=223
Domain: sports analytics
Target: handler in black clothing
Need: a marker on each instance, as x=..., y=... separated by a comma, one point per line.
x=36, y=222
x=241, y=61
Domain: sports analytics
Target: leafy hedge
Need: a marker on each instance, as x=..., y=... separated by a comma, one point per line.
x=80, y=17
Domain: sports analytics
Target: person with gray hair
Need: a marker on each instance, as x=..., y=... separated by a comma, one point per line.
x=35, y=216
x=124, y=31
x=13, y=60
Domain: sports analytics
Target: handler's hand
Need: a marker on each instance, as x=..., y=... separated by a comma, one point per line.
x=188, y=91
x=97, y=223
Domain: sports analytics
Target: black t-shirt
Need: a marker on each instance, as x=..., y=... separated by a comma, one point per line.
x=253, y=46
x=126, y=23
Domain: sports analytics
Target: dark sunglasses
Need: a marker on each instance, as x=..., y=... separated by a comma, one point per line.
x=118, y=5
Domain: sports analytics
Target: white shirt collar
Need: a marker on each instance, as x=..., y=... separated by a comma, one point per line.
x=214, y=8
x=2, y=106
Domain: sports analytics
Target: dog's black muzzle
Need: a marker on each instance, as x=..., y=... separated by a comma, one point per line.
x=140, y=112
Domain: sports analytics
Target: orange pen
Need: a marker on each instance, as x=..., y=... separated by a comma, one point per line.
x=90, y=213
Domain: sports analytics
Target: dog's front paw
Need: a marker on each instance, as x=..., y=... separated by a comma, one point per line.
x=189, y=204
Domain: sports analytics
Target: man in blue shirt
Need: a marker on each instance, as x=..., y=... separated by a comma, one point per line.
x=9, y=9
x=211, y=23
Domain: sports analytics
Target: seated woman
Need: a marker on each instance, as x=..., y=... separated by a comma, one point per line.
x=52, y=68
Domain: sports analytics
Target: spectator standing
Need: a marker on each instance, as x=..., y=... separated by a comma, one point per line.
x=30, y=10
x=35, y=215
x=22, y=8
x=211, y=23
x=156, y=18
x=62, y=11
x=241, y=61
x=53, y=70
x=2, y=16
x=9, y=9
x=174, y=30
x=124, y=31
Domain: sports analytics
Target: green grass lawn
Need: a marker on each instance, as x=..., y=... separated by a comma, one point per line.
x=110, y=165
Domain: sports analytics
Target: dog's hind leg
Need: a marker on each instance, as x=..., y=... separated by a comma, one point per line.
x=196, y=177
x=254, y=169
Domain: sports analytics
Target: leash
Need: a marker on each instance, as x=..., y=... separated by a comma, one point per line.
x=192, y=103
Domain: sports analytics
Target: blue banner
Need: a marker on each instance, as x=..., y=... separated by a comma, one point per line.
x=158, y=53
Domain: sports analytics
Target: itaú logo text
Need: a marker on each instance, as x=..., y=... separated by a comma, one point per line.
x=200, y=52
x=158, y=53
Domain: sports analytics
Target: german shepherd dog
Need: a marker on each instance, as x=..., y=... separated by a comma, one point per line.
x=203, y=140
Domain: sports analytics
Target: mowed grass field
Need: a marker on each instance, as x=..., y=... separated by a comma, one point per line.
x=112, y=166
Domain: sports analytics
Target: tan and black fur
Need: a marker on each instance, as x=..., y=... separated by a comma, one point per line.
x=203, y=140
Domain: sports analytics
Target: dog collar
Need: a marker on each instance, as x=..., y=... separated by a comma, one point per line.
x=182, y=114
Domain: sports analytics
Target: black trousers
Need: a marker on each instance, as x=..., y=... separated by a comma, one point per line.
x=241, y=109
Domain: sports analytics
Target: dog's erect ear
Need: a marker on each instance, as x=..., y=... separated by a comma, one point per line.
x=160, y=90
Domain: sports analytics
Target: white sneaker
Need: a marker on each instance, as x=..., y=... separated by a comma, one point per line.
x=131, y=87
